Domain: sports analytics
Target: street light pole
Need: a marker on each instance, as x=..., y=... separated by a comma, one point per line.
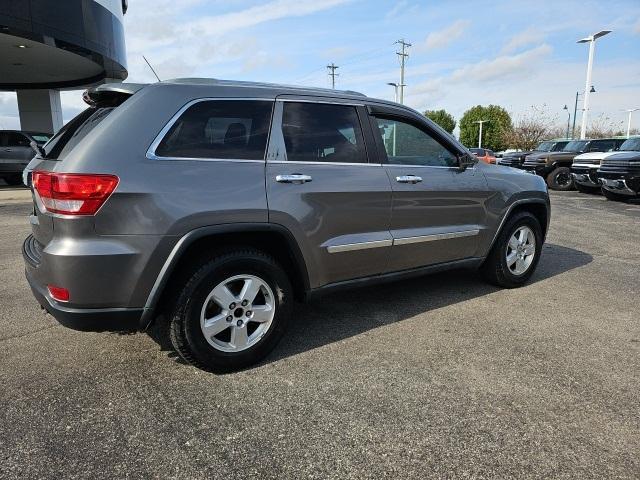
x=568, y=120
x=395, y=86
x=591, y=40
x=480, y=134
x=575, y=112
x=629, y=112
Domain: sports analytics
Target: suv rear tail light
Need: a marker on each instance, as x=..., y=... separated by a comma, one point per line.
x=73, y=193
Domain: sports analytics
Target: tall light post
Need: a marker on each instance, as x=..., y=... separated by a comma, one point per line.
x=395, y=86
x=568, y=120
x=575, y=112
x=629, y=112
x=480, y=134
x=591, y=40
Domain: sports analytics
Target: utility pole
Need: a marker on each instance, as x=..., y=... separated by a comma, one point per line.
x=480, y=135
x=403, y=56
x=332, y=73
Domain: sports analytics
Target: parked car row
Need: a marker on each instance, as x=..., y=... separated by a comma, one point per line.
x=610, y=165
x=16, y=152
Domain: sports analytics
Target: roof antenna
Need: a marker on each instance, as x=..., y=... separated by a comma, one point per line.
x=154, y=72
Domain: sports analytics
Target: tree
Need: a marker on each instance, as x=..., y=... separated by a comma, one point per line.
x=499, y=122
x=531, y=128
x=442, y=118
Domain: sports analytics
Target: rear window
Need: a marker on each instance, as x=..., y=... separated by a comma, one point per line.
x=477, y=151
x=74, y=131
x=220, y=129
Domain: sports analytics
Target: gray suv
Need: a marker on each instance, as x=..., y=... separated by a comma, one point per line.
x=211, y=205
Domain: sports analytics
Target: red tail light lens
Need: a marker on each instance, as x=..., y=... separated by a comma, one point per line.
x=58, y=293
x=73, y=193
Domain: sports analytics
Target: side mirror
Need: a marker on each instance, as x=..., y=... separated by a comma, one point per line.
x=465, y=161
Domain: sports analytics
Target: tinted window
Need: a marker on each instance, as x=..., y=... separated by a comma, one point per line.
x=544, y=147
x=490, y=153
x=477, y=151
x=74, y=131
x=559, y=146
x=3, y=139
x=222, y=129
x=631, y=144
x=602, y=145
x=406, y=144
x=17, y=140
x=316, y=132
x=575, y=146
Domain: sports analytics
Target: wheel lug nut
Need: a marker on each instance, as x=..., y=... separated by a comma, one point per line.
x=232, y=306
x=239, y=323
x=249, y=313
x=244, y=303
x=229, y=318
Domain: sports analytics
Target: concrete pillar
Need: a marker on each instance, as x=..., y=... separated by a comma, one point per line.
x=40, y=110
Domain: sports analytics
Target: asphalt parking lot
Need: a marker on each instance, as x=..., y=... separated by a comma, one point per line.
x=442, y=376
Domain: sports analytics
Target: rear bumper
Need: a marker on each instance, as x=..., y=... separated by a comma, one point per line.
x=87, y=319
x=94, y=319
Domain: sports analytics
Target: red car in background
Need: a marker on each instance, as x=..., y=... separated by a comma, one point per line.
x=484, y=154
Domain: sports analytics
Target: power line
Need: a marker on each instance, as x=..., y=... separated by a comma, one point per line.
x=332, y=73
x=403, y=56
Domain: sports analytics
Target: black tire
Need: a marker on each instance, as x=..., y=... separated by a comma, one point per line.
x=560, y=179
x=13, y=179
x=586, y=188
x=494, y=269
x=184, y=321
x=615, y=197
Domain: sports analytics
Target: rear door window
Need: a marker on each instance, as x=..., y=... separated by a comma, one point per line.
x=320, y=132
x=17, y=140
x=219, y=129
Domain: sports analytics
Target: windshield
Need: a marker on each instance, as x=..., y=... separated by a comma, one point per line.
x=575, y=146
x=545, y=147
x=631, y=144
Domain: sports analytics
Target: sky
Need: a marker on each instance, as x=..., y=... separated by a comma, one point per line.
x=510, y=53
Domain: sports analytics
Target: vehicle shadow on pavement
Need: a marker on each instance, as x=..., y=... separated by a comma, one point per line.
x=342, y=315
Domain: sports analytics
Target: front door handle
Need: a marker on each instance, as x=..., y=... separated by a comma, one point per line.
x=408, y=179
x=293, y=178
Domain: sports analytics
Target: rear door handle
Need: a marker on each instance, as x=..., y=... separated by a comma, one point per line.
x=408, y=179
x=293, y=178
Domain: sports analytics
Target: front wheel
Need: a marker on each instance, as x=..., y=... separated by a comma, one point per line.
x=613, y=196
x=515, y=254
x=560, y=179
x=232, y=310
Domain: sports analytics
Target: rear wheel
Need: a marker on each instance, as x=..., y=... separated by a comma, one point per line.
x=586, y=188
x=560, y=179
x=616, y=197
x=232, y=310
x=515, y=254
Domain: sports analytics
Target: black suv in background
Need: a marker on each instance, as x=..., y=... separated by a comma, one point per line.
x=555, y=167
x=16, y=152
x=619, y=175
x=516, y=159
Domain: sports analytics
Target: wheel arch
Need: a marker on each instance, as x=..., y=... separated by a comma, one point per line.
x=269, y=238
x=538, y=207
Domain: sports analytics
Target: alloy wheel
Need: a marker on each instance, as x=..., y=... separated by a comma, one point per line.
x=521, y=250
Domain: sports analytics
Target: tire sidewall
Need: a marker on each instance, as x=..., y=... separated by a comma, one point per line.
x=517, y=222
x=554, y=185
x=214, y=274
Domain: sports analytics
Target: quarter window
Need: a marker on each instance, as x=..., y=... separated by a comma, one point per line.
x=220, y=129
x=316, y=132
x=406, y=144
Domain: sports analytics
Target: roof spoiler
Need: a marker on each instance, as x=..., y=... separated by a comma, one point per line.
x=110, y=94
